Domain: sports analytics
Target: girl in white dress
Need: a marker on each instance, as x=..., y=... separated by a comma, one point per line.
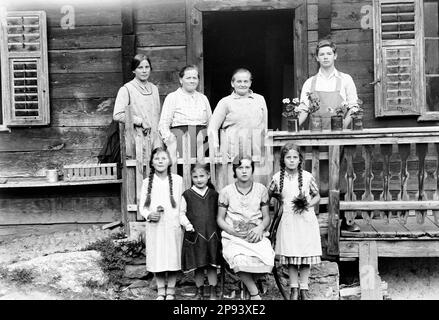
x=298, y=237
x=159, y=204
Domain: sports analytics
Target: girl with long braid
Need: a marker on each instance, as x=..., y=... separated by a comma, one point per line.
x=160, y=205
x=298, y=237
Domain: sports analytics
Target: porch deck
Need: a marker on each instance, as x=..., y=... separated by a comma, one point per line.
x=392, y=228
x=390, y=238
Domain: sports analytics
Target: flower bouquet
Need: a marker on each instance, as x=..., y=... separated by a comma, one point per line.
x=291, y=113
x=339, y=113
x=315, y=123
x=357, y=115
x=299, y=203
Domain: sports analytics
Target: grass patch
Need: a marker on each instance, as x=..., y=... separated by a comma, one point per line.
x=115, y=257
x=21, y=275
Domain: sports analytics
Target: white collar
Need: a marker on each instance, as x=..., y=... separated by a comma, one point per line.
x=334, y=73
x=201, y=192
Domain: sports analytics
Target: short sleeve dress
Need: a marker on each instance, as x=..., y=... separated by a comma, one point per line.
x=244, y=213
x=298, y=235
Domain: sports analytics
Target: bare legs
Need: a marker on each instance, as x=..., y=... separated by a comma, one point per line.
x=250, y=284
x=296, y=280
x=161, y=277
x=199, y=281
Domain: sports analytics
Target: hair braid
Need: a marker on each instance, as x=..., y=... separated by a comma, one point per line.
x=281, y=179
x=148, y=192
x=171, y=192
x=299, y=169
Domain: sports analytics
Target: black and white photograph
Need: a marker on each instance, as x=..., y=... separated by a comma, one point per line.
x=228, y=155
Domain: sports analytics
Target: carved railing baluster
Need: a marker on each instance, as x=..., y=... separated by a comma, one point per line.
x=404, y=152
x=421, y=151
x=368, y=175
x=386, y=151
x=349, y=153
x=436, y=193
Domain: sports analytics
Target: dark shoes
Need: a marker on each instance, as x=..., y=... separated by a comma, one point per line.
x=352, y=228
x=199, y=295
x=294, y=294
x=304, y=294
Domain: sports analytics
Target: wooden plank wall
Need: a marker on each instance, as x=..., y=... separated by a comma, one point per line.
x=160, y=28
x=85, y=73
x=352, y=31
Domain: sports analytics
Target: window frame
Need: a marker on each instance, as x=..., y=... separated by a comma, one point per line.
x=426, y=115
x=6, y=60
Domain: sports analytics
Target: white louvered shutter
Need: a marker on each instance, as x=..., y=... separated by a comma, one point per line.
x=398, y=60
x=24, y=64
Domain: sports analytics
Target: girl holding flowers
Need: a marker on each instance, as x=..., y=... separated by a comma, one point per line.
x=298, y=236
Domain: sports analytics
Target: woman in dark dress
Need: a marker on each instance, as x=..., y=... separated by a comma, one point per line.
x=202, y=243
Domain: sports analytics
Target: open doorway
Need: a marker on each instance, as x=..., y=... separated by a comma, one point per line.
x=261, y=41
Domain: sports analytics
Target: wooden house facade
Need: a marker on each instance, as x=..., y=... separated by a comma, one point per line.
x=81, y=53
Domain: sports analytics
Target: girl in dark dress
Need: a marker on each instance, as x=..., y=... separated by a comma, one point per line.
x=202, y=243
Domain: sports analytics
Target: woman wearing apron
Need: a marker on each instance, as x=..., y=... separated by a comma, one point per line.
x=332, y=87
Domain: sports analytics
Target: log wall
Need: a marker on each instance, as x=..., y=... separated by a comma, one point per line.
x=84, y=73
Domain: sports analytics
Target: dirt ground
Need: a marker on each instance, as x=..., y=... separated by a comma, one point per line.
x=31, y=248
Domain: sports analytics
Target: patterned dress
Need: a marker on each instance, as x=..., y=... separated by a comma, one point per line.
x=298, y=235
x=202, y=247
x=244, y=213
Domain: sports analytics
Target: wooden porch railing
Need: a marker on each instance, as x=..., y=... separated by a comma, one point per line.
x=136, y=151
x=369, y=174
x=386, y=173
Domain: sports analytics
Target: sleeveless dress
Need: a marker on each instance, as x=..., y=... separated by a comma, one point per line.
x=202, y=247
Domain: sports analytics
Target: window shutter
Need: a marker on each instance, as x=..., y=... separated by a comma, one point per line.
x=25, y=84
x=398, y=60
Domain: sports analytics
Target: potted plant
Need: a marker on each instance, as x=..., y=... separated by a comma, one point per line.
x=339, y=113
x=357, y=115
x=315, y=121
x=291, y=113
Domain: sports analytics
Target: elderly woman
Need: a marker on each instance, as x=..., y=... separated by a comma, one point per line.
x=242, y=109
x=243, y=217
x=144, y=98
x=182, y=108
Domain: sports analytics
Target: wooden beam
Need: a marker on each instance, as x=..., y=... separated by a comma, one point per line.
x=370, y=282
x=334, y=198
x=128, y=39
x=300, y=47
x=194, y=39
x=324, y=18
x=394, y=248
x=389, y=205
x=238, y=5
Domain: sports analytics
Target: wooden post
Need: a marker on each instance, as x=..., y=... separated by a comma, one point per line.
x=130, y=148
x=324, y=18
x=334, y=201
x=139, y=169
x=370, y=282
x=128, y=39
x=123, y=189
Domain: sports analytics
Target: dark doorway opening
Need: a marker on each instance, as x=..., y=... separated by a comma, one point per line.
x=261, y=41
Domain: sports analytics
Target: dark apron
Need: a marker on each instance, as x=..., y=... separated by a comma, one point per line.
x=327, y=99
